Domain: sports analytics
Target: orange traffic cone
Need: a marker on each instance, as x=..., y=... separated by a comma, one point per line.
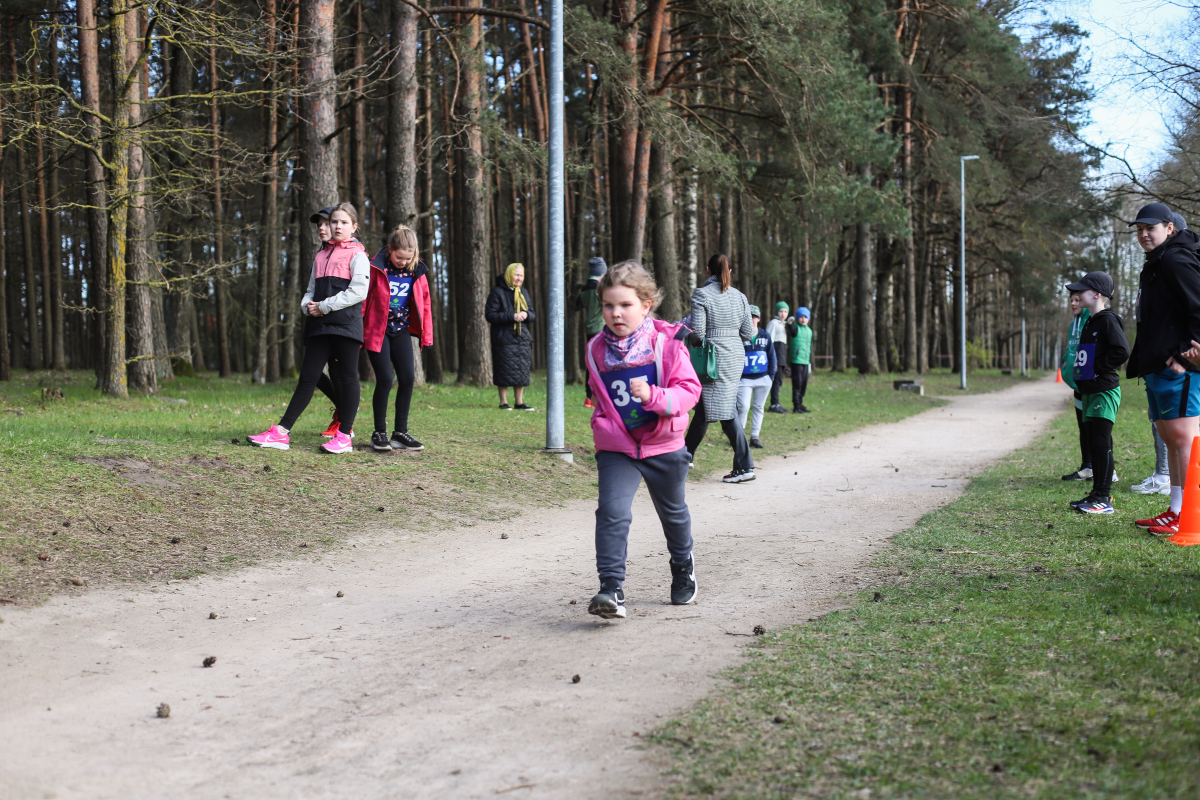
x=1058, y=377
x=1189, y=517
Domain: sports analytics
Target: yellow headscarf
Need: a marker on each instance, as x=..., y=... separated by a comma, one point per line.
x=519, y=303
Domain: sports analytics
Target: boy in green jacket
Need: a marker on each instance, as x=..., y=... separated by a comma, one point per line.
x=800, y=337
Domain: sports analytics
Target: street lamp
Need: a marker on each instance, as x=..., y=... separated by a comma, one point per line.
x=555, y=372
x=962, y=271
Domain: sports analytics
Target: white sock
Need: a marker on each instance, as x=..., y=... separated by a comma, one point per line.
x=1162, y=478
x=285, y=430
x=1176, y=499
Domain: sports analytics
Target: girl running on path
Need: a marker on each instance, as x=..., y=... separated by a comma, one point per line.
x=643, y=387
x=397, y=310
x=333, y=332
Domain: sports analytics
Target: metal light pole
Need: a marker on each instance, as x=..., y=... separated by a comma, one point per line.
x=1024, y=370
x=555, y=373
x=962, y=271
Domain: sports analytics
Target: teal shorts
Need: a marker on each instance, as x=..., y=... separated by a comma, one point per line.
x=1172, y=395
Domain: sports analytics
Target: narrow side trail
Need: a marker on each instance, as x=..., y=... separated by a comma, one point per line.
x=446, y=669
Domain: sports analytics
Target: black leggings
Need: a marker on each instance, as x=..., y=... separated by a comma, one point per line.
x=1099, y=434
x=1085, y=452
x=800, y=374
x=733, y=432
x=396, y=352
x=341, y=354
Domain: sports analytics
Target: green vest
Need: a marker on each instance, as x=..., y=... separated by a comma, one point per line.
x=1068, y=361
x=800, y=345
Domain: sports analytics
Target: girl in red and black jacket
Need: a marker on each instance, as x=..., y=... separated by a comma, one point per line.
x=397, y=310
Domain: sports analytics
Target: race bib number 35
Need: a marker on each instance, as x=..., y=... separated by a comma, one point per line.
x=616, y=384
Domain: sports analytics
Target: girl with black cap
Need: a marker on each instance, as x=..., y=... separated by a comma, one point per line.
x=1168, y=321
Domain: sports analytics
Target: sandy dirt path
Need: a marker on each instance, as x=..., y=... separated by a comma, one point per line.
x=446, y=669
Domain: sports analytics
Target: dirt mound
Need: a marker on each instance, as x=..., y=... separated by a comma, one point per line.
x=131, y=469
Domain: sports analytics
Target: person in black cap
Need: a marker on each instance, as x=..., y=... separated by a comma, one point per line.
x=1168, y=321
x=1102, y=348
x=588, y=302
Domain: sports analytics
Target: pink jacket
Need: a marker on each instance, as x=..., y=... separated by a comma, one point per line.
x=677, y=392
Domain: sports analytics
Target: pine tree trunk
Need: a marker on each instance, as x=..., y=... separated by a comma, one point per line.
x=58, y=360
x=266, y=354
x=33, y=342
x=115, y=374
x=225, y=368
x=841, y=333
x=666, y=259
x=141, y=334
x=864, y=284
x=97, y=200
x=432, y=361
x=318, y=151
x=474, y=350
x=5, y=353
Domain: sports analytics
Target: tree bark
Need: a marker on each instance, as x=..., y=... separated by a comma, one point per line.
x=33, y=359
x=266, y=354
x=864, y=284
x=402, y=120
x=432, y=362
x=841, y=328
x=666, y=259
x=224, y=366
x=318, y=151
x=623, y=145
x=474, y=350
x=96, y=194
x=115, y=373
x=5, y=352
x=58, y=360
x=141, y=335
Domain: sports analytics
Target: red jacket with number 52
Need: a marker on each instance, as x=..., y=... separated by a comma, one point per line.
x=375, y=308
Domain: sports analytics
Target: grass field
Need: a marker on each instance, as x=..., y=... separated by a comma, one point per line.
x=164, y=487
x=1024, y=650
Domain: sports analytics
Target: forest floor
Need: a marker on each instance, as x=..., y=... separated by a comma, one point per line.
x=98, y=492
x=461, y=662
x=1020, y=650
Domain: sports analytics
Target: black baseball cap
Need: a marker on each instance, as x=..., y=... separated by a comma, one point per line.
x=1153, y=214
x=1096, y=281
x=324, y=213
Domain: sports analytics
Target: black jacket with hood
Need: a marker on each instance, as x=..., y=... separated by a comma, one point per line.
x=1103, y=337
x=1168, y=308
x=512, y=344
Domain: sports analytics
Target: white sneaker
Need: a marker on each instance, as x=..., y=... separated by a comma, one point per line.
x=1152, y=485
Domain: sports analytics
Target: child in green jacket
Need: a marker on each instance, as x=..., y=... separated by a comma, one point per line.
x=800, y=337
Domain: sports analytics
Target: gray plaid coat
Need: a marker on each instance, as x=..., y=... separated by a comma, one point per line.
x=722, y=318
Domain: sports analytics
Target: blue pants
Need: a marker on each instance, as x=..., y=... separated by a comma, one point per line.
x=620, y=476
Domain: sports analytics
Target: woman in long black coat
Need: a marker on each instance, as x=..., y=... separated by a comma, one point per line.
x=510, y=312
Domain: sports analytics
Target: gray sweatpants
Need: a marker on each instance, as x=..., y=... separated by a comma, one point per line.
x=620, y=476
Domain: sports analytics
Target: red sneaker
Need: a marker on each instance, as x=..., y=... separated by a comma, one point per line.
x=1168, y=517
x=333, y=428
x=588, y=403
x=1167, y=528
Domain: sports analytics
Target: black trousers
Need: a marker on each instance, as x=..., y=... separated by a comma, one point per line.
x=780, y=360
x=733, y=432
x=396, y=353
x=799, y=384
x=1085, y=451
x=1099, y=434
x=341, y=354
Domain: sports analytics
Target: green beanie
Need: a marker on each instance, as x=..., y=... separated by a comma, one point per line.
x=781, y=304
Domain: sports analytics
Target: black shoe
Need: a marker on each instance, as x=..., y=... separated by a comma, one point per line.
x=739, y=476
x=402, y=441
x=523, y=407
x=610, y=602
x=778, y=409
x=804, y=409
x=683, y=583
x=505, y=407
x=756, y=443
x=379, y=441
x=1081, y=474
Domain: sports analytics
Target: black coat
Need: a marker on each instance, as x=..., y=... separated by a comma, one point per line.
x=512, y=352
x=1168, y=316
x=1106, y=332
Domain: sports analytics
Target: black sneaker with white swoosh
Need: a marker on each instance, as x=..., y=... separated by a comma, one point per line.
x=610, y=602
x=683, y=583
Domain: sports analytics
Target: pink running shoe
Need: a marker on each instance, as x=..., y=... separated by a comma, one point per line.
x=273, y=437
x=340, y=443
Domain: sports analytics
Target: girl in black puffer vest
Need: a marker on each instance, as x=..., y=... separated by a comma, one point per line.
x=333, y=332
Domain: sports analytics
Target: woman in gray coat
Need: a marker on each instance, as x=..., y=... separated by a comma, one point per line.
x=721, y=315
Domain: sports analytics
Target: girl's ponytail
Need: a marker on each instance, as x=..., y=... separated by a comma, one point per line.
x=718, y=265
